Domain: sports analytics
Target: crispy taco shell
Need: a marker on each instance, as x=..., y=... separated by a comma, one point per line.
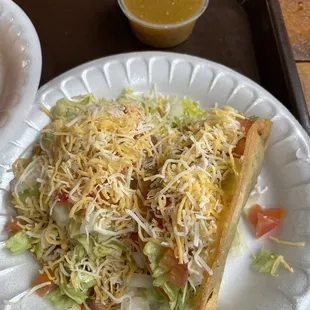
x=256, y=144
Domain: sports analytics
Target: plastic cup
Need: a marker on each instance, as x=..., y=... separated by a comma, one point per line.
x=162, y=35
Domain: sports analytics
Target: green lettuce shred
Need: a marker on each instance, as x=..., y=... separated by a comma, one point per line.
x=264, y=260
x=87, y=281
x=66, y=109
x=238, y=244
x=252, y=118
x=33, y=191
x=101, y=250
x=18, y=243
x=77, y=254
x=155, y=252
x=78, y=296
x=60, y=301
x=47, y=139
x=190, y=107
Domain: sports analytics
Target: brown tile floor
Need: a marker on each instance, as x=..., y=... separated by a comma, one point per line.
x=297, y=18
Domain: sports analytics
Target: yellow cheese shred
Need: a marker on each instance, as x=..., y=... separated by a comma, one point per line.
x=280, y=260
x=301, y=244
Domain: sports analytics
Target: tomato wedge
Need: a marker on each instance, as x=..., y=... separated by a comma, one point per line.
x=135, y=237
x=253, y=211
x=265, y=220
x=245, y=123
x=62, y=197
x=39, y=279
x=264, y=225
x=168, y=260
x=275, y=213
x=239, y=149
x=13, y=226
x=177, y=273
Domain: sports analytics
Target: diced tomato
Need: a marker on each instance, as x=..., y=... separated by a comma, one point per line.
x=253, y=211
x=265, y=219
x=168, y=261
x=13, y=226
x=134, y=237
x=159, y=220
x=275, y=213
x=264, y=224
x=39, y=279
x=245, y=124
x=239, y=149
x=62, y=197
x=177, y=273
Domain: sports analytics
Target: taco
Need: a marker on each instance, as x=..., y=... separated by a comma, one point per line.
x=132, y=203
x=256, y=143
x=169, y=267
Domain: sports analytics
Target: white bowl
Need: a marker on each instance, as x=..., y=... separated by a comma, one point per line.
x=20, y=68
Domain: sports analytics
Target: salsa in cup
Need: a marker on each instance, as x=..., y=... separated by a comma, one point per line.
x=163, y=23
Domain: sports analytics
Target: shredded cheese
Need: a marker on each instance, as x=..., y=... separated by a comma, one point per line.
x=112, y=168
x=280, y=260
x=301, y=244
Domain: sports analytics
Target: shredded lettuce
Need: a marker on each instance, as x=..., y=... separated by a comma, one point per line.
x=39, y=250
x=156, y=295
x=67, y=109
x=176, y=123
x=154, y=252
x=181, y=111
x=268, y=262
x=264, y=260
x=77, y=295
x=238, y=244
x=33, y=191
x=171, y=290
x=190, y=107
x=18, y=243
x=101, y=250
x=253, y=118
x=152, y=295
x=60, y=301
x=47, y=139
x=88, y=246
x=77, y=253
x=176, y=109
x=87, y=281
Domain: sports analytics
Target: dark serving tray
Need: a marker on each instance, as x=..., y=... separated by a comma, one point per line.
x=248, y=36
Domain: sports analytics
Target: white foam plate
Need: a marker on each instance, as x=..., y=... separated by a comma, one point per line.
x=20, y=68
x=286, y=169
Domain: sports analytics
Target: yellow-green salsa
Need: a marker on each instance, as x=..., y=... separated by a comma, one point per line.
x=163, y=11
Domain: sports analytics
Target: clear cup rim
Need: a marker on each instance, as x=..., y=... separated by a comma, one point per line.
x=132, y=17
